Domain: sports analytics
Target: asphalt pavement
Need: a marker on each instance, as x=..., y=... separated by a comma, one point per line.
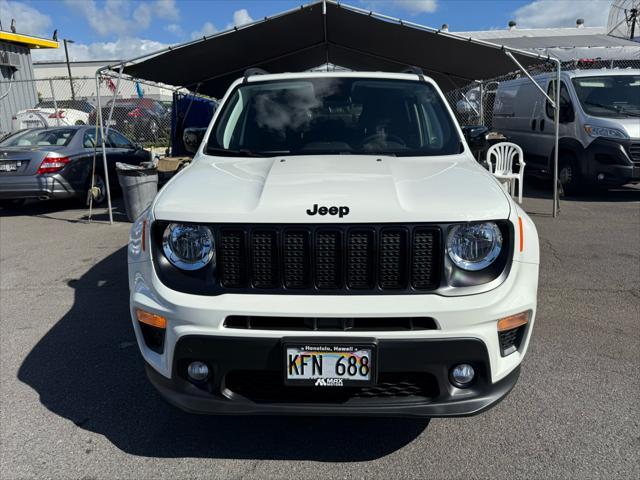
x=75, y=402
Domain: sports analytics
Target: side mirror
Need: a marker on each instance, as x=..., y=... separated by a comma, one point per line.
x=192, y=138
x=476, y=137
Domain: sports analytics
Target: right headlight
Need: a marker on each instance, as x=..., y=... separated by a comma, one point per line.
x=474, y=246
x=604, y=132
x=188, y=247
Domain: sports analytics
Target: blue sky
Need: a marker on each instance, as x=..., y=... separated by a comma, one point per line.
x=115, y=29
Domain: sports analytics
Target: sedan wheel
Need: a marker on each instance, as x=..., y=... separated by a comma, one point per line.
x=99, y=190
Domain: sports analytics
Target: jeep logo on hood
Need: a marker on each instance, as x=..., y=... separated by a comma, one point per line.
x=340, y=211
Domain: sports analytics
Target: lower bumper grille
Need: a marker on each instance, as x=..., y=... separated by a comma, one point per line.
x=510, y=340
x=266, y=386
x=634, y=153
x=373, y=324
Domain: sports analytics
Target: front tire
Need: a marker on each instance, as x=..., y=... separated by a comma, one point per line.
x=99, y=191
x=568, y=175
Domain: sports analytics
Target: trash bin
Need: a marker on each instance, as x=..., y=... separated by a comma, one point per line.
x=139, y=185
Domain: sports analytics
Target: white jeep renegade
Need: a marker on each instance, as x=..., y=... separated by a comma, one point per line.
x=334, y=248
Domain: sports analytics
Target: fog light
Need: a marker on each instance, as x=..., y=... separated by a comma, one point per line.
x=462, y=375
x=600, y=176
x=198, y=371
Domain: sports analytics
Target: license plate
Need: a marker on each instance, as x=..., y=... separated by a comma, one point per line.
x=9, y=166
x=329, y=365
x=112, y=122
x=32, y=123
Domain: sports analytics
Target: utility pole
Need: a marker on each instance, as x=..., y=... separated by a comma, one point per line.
x=66, y=52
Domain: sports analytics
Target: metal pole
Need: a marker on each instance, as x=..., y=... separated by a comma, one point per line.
x=524, y=70
x=104, y=147
x=66, y=53
x=55, y=104
x=556, y=120
x=481, y=93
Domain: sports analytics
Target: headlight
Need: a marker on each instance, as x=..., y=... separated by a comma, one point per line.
x=604, y=132
x=188, y=247
x=474, y=246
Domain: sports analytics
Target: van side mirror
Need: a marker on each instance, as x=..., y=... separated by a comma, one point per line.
x=476, y=137
x=192, y=138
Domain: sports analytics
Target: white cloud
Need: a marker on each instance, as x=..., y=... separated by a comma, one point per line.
x=562, y=13
x=167, y=9
x=28, y=19
x=241, y=17
x=413, y=7
x=120, y=17
x=174, y=28
x=208, y=28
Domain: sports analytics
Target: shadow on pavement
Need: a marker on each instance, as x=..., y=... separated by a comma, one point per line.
x=87, y=369
x=535, y=187
x=51, y=209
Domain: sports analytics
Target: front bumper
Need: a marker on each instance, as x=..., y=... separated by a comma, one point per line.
x=413, y=380
x=612, y=162
x=35, y=186
x=465, y=331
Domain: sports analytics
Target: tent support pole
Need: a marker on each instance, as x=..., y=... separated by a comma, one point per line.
x=524, y=70
x=555, y=103
x=556, y=122
x=103, y=134
x=481, y=94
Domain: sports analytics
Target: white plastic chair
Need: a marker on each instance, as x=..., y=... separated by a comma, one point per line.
x=504, y=154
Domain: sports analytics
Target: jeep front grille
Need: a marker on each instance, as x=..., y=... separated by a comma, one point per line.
x=332, y=259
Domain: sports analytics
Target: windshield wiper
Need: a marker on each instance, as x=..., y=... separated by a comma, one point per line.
x=243, y=152
x=612, y=109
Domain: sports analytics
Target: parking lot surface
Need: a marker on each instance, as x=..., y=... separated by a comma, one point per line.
x=75, y=402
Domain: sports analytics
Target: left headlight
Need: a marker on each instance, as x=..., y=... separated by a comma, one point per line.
x=474, y=246
x=188, y=247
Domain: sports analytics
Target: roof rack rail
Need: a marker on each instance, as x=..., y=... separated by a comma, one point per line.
x=415, y=70
x=253, y=71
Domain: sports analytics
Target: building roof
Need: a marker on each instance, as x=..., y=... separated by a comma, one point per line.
x=27, y=40
x=563, y=43
x=534, y=32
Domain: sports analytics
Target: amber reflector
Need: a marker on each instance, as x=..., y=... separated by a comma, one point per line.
x=521, y=234
x=144, y=235
x=513, y=321
x=152, y=319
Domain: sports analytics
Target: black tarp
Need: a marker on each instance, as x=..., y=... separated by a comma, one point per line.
x=325, y=33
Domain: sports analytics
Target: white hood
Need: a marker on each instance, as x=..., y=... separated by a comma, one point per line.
x=376, y=190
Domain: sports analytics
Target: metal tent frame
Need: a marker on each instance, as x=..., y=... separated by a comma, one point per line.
x=117, y=71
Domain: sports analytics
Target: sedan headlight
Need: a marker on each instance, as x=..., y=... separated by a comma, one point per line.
x=188, y=247
x=604, y=132
x=474, y=246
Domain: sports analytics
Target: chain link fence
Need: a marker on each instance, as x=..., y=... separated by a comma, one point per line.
x=474, y=104
x=141, y=111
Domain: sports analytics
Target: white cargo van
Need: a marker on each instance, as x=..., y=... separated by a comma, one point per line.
x=599, y=125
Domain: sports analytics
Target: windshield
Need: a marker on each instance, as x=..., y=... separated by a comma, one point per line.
x=31, y=138
x=609, y=96
x=334, y=116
